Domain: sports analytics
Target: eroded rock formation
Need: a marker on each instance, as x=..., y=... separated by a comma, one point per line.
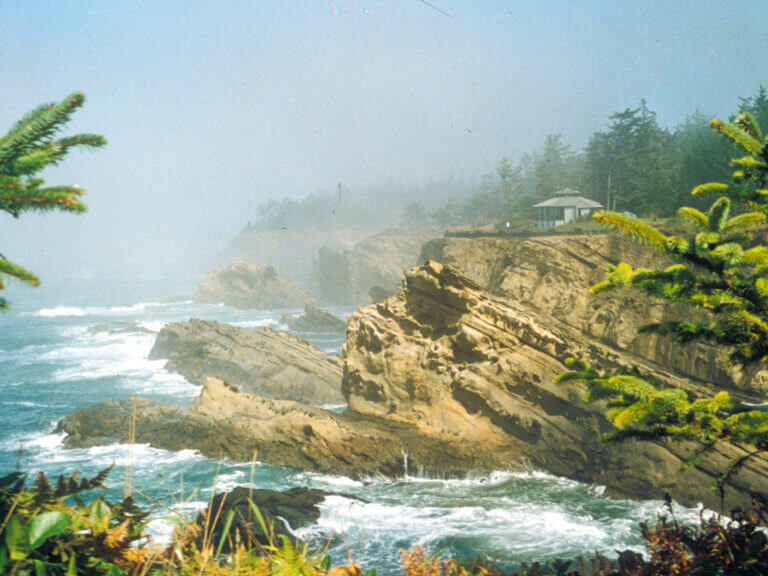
x=458, y=374
x=444, y=355
x=551, y=275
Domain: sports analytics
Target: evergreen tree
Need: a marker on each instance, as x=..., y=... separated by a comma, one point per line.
x=629, y=167
x=700, y=155
x=551, y=166
x=29, y=147
x=722, y=269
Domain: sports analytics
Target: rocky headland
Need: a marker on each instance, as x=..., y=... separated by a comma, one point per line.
x=457, y=370
x=261, y=361
x=245, y=285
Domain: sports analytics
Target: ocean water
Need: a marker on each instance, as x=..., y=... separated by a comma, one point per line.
x=58, y=355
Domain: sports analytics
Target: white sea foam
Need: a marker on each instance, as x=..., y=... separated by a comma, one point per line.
x=227, y=482
x=542, y=528
x=64, y=310
x=60, y=311
x=36, y=441
x=329, y=481
x=152, y=326
x=24, y=403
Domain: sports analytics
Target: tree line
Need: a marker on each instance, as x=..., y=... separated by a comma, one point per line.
x=632, y=165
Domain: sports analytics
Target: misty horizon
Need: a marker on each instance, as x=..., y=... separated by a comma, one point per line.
x=211, y=111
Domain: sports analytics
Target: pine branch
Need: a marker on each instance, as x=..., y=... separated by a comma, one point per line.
x=37, y=126
x=633, y=226
x=738, y=135
x=9, y=268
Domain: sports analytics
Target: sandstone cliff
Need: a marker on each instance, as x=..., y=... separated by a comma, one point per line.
x=246, y=285
x=458, y=373
x=551, y=275
x=265, y=362
x=444, y=355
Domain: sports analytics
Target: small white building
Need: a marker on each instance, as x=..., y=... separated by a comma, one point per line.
x=568, y=205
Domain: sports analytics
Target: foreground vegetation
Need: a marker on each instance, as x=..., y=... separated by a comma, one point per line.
x=66, y=529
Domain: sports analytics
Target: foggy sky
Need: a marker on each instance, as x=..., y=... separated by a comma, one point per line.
x=211, y=107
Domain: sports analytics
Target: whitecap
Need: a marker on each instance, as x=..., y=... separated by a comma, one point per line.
x=24, y=403
x=60, y=311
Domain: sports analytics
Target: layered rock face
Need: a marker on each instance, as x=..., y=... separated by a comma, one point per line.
x=245, y=285
x=457, y=377
x=264, y=362
x=444, y=356
x=552, y=275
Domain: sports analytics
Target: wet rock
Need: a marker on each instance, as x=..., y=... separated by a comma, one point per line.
x=225, y=423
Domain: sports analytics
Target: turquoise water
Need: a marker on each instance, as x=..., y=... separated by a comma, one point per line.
x=59, y=355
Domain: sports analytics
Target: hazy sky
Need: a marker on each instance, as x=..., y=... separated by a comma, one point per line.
x=210, y=107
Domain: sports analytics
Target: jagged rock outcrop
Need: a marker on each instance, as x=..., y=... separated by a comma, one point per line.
x=444, y=355
x=263, y=361
x=346, y=276
x=223, y=422
x=315, y=320
x=245, y=285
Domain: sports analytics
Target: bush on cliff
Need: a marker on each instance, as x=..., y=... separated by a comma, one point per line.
x=722, y=270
